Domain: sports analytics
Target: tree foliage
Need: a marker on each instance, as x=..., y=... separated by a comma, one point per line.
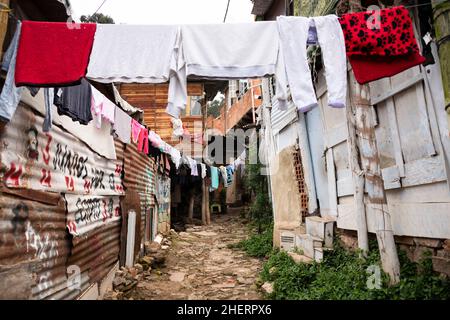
x=216, y=106
x=97, y=18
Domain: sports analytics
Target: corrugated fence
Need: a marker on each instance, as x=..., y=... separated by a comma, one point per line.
x=60, y=218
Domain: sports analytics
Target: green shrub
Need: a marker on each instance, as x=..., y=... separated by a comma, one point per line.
x=259, y=244
x=343, y=276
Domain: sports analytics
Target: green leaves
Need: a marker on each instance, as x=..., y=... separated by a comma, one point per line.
x=258, y=245
x=343, y=276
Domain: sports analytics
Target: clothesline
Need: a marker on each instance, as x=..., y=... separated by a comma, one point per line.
x=157, y=54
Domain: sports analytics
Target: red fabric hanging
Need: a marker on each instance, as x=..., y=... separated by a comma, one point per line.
x=143, y=140
x=53, y=53
x=380, y=44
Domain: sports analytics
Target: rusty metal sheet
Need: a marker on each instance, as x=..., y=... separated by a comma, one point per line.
x=140, y=175
x=33, y=238
x=85, y=213
x=95, y=252
x=54, y=161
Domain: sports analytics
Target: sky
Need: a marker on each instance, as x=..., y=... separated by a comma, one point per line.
x=166, y=11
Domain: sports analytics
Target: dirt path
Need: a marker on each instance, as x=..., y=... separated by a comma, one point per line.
x=199, y=265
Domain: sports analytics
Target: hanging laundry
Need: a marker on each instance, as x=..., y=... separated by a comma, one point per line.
x=102, y=107
x=383, y=50
x=167, y=164
x=53, y=53
x=186, y=160
x=182, y=172
x=133, y=53
x=177, y=125
x=199, y=170
x=194, y=170
x=49, y=97
x=214, y=178
x=175, y=155
x=294, y=36
x=75, y=102
x=122, y=125
x=143, y=141
x=197, y=138
x=135, y=130
x=33, y=91
x=223, y=173
x=237, y=51
x=226, y=51
x=10, y=96
x=155, y=140
x=123, y=103
x=230, y=172
x=203, y=170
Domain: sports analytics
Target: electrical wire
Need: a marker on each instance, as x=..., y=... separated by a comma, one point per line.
x=99, y=7
x=226, y=11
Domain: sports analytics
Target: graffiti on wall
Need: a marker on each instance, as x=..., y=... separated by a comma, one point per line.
x=46, y=250
x=54, y=161
x=32, y=233
x=85, y=213
x=163, y=194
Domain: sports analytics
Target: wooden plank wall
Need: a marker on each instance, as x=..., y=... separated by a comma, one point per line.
x=152, y=98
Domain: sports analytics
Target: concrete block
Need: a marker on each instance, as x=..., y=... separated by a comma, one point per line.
x=306, y=243
x=321, y=228
x=298, y=258
x=287, y=240
x=318, y=254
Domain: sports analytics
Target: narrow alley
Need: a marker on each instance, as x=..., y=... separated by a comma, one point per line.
x=238, y=150
x=199, y=264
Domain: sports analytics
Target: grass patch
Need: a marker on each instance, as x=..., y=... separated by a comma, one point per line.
x=344, y=276
x=258, y=245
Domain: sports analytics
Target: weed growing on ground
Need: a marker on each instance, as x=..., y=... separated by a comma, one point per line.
x=259, y=245
x=343, y=276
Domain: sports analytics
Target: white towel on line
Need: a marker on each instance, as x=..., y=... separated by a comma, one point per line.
x=227, y=51
x=133, y=53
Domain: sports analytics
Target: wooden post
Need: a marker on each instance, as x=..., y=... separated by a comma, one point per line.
x=365, y=130
x=191, y=208
x=358, y=182
x=204, y=204
x=441, y=16
x=4, y=4
x=206, y=212
x=207, y=207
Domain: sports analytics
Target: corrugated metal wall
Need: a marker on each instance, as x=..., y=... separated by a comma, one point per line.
x=55, y=247
x=280, y=119
x=35, y=245
x=140, y=176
